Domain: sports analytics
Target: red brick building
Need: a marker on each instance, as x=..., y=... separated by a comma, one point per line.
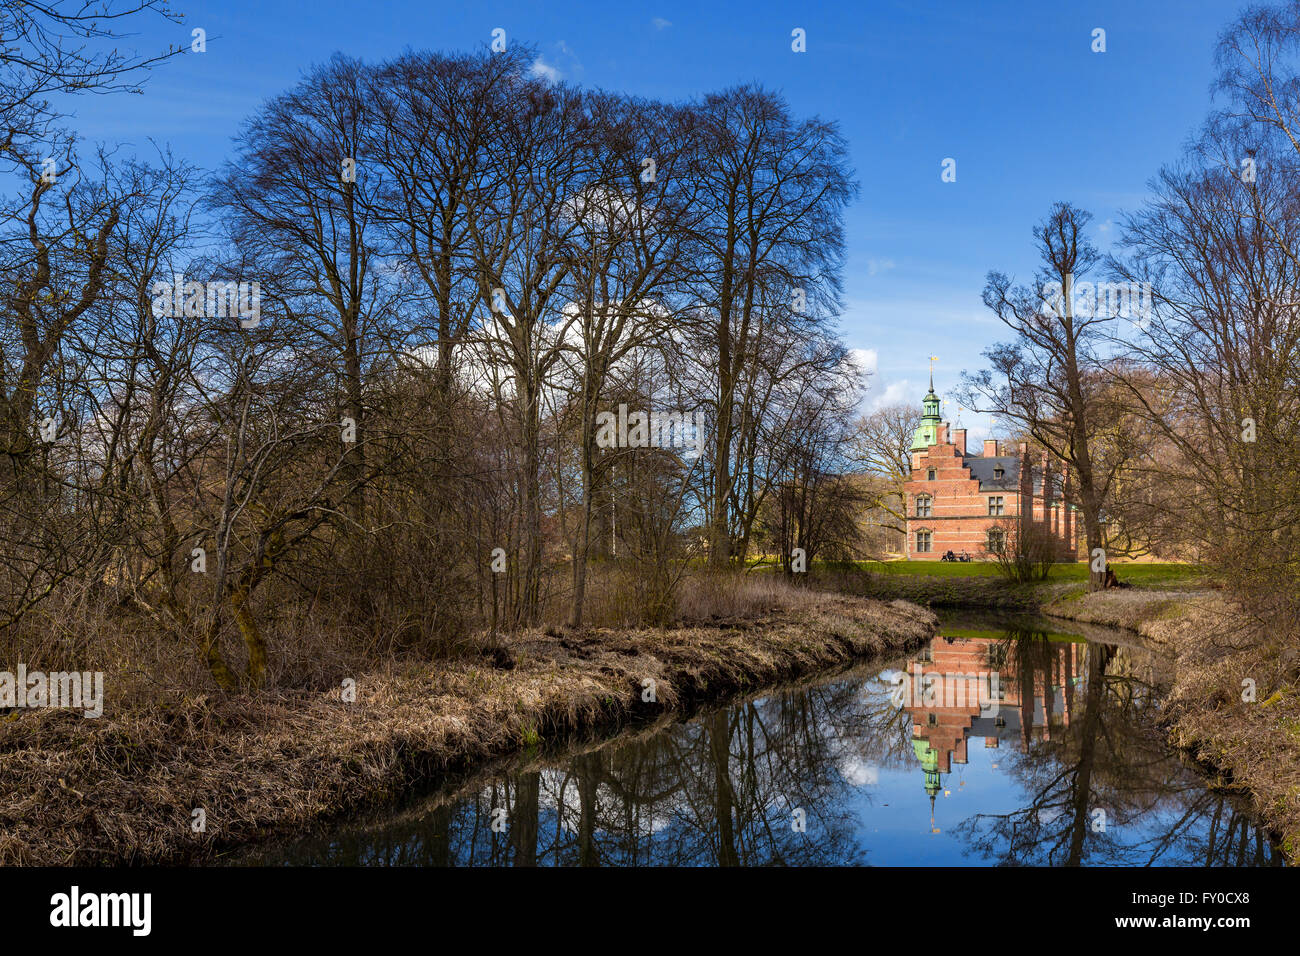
x=962, y=500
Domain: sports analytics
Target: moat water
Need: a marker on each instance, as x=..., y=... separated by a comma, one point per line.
x=1003, y=741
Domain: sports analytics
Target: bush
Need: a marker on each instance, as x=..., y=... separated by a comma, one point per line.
x=1028, y=550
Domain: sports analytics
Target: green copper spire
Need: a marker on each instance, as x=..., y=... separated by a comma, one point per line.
x=928, y=433
x=929, y=759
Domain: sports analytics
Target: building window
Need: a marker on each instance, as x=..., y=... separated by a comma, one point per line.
x=922, y=542
x=923, y=506
x=997, y=540
x=929, y=475
x=999, y=471
x=995, y=505
x=932, y=719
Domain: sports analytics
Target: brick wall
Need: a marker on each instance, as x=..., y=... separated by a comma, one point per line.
x=959, y=518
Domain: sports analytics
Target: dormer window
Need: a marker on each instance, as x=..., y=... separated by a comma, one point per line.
x=929, y=475
x=999, y=471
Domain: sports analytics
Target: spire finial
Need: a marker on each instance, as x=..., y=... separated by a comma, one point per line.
x=933, y=359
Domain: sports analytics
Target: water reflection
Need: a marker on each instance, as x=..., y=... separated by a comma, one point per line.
x=1010, y=746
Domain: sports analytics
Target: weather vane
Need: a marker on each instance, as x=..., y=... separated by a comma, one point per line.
x=933, y=359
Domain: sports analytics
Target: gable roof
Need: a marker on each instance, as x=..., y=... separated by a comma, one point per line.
x=981, y=469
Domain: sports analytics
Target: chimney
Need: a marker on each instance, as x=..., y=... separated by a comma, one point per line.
x=990, y=448
x=959, y=439
x=941, y=438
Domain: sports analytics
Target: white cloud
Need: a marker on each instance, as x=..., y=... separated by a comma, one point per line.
x=661, y=24
x=548, y=72
x=891, y=394
x=858, y=773
x=559, y=62
x=866, y=359
x=876, y=266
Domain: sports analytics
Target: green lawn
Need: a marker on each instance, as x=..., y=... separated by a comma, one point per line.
x=1139, y=575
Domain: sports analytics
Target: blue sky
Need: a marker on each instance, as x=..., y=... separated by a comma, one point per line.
x=1011, y=90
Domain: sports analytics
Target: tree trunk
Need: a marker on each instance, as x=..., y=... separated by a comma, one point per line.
x=724, y=798
x=583, y=546
x=524, y=826
x=1097, y=658
x=253, y=639
x=529, y=598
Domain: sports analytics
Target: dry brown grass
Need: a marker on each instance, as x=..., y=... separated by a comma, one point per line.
x=617, y=595
x=710, y=597
x=1131, y=608
x=1215, y=646
x=121, y=789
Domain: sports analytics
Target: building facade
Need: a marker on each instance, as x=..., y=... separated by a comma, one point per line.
x=968, y=501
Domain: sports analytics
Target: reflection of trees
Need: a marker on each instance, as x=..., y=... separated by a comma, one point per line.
x=1111, y=759
x=721, y=789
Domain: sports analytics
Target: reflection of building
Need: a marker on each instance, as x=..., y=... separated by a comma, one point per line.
x=1037, y=683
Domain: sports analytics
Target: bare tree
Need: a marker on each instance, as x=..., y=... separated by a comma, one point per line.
x=1049, y=379
x=58, y=47
x=299, y=198
x=628, y=253
x=882, y=445
x=524, y=234
x=51, y=305
x=433, y=120
x=770, y=251
x=1213, y=373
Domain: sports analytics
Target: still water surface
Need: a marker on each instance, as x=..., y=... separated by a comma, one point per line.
x=1002, y=741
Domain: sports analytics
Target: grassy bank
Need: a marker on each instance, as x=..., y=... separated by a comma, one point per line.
x=1248, y=733
x=124, y=788
x=979, y=585
x=974, y=590
x=1139, y=574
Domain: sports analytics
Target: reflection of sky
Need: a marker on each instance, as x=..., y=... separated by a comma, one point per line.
x=855, y=773
x=894, y=814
